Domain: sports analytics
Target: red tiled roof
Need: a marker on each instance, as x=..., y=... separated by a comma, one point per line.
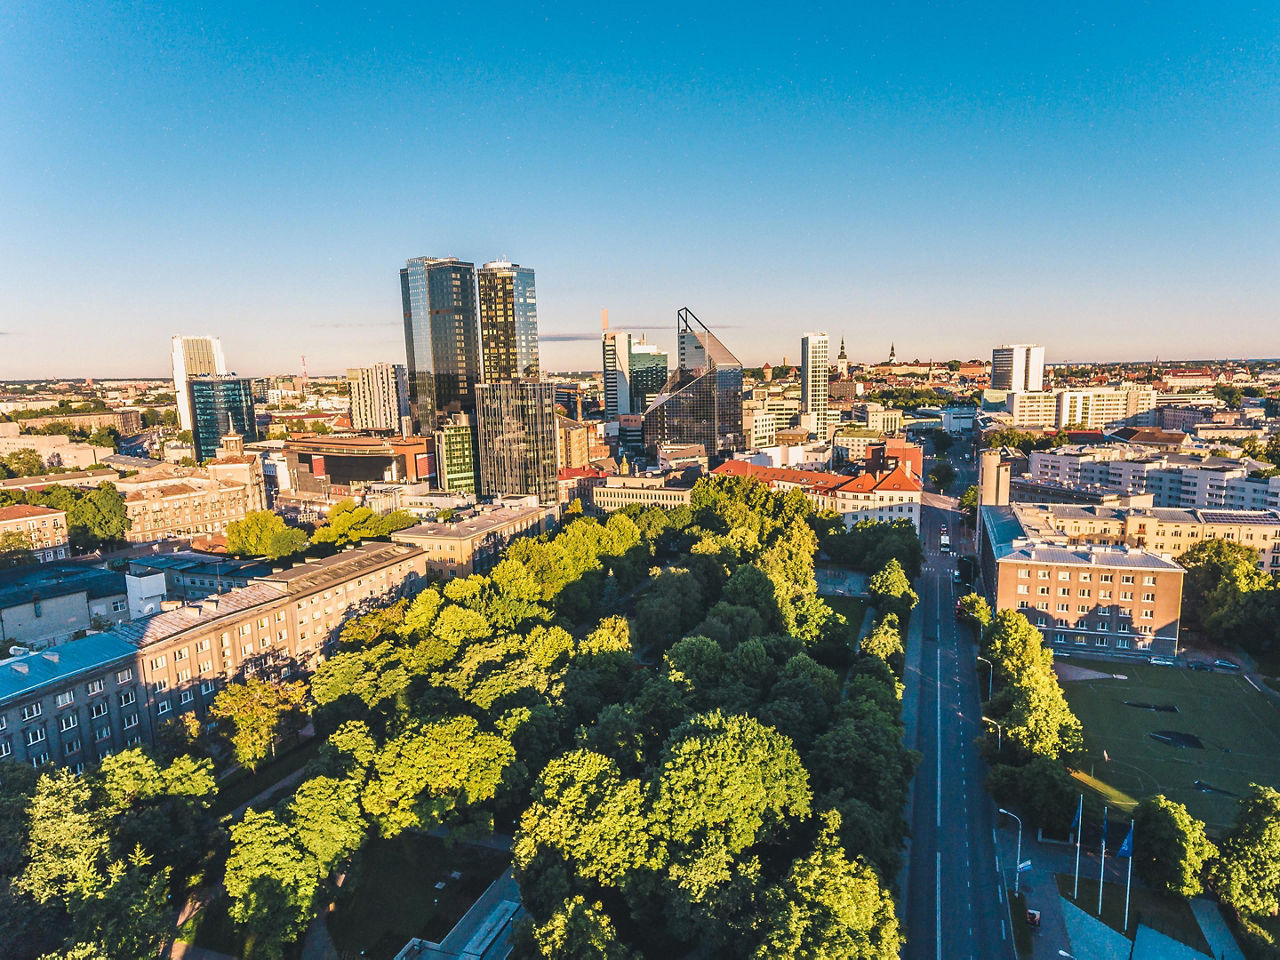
x=899, y=478
x=21, y=511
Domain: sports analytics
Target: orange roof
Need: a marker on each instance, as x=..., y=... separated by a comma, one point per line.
x=21, y=511
x=896, y=479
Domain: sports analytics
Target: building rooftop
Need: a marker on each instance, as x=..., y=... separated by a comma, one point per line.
x=50, y=580
x=89, y=478
x=21, y=511
x=202, y=564
x=29, y=672
x=1009, y=539
x=899, y=478
x=330, y=571
x=469, y=527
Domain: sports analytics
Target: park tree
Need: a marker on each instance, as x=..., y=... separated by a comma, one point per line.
x=578, y=930
x=827, y=906
x=98, y=518
x=891, y=590
x=254, y=711
x=943, y=475
x=23, y=463
x=1170, y=847
x=272, y=882
x=1247, y=874
x=942, y=441
x=884, y=640
x=263, y=533
x=15, y=549
x=1227, y=596
x=975, y=609
x=969, y=504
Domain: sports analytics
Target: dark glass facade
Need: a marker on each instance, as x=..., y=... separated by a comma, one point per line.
x=441, y=337
x=702, y=400
x=517, y=439
x=508, y=322
x=220, y=405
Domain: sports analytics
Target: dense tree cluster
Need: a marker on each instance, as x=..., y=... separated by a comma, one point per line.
x=89, y=864
x=868, y=545
x=1026, y=442
x=263, y=533
x=95, y=517
x=1228, y=597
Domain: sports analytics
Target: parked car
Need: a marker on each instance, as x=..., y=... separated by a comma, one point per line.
x=1226, y=664
x=1202, y=665
x=1161, y=661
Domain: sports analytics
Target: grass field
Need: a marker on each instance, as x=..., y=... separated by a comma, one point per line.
x=1238, y=727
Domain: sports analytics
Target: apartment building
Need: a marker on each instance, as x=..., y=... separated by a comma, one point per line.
x=50, y=603
x=885, y=497
x=665, y=490
x=72, y=704
x=54, y=451
x=1164, y=530
x=1092, y=408
x=126, y=422
x=140, y=674
x=44, y=529
x=473, y=544
x=1106, y=597
x=169, y=501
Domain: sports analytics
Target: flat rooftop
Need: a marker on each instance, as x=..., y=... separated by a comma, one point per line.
x=469, y=527
x=26, y=674
x=48, y=581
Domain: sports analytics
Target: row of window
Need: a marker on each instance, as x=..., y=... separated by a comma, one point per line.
x=1085, y=576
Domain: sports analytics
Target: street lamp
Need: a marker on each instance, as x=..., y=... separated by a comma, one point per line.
x=1017, y=858
x=991, y=675
x=999, y=734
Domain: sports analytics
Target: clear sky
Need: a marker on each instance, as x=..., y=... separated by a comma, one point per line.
x=1103, y=178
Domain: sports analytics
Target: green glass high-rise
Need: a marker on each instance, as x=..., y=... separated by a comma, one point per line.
x=702, y=400
x=220, y=405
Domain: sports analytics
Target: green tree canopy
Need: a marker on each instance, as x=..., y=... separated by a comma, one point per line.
x=253, y=710
x=1170, y=847
x=1247, y=874
x=263, y=533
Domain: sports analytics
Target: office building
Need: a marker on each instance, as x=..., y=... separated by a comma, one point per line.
x=701, y=403
x=635, y=372
x=508, y=307
x=220, y=405
x=441, y=338
x=456, y=455
x=1091, y=408
x=1018, y=367
x=379, y=397
x=815, y=376
x=516, y=435
x=193, y=357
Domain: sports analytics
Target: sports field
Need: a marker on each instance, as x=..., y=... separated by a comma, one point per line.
x=1211, y=727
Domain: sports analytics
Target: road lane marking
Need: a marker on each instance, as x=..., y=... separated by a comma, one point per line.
x=938, y=718
x=938, y=901
x=1003, y=930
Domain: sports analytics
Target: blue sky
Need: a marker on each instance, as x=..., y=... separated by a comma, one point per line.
x=1102, y=178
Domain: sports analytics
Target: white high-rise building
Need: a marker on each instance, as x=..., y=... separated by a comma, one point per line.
x=815, y=375
x=1018, y=367
x=379, y=397
x=194, y=357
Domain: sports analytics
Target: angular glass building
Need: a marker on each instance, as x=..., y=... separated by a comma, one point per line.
x=441, y=337
x=508, y=321
x=516, y=432
x=701, y=401
x=220, y=405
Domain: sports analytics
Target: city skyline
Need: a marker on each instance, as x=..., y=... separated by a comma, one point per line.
x=946, y=179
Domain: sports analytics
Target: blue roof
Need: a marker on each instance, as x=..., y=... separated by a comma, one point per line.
x=29, y=672
x=49, y=580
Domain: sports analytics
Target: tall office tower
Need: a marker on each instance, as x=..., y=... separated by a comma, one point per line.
x=1018, y=368
x=379, y=397
x=441, y=338
x=815, y=379
x=220, y=405
x=516, y=429
x=634, y=373
x=702, y=400
x=508, y=321
x=193, y=357
x=456, y=454
x=617, y=357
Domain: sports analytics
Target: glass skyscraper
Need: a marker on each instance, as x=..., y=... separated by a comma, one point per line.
x=220, y=405
x=441, y=337
x=702, y=400
x=508, y=321
x=517, y=438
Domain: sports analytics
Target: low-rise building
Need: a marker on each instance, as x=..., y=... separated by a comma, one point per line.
x=883, y=497
x=665, y=490
x=167, y=501
x=54, y=450
x=86, y=479
x=1092, y=408
x=472, y=544
x=126, y=422
x=44, y=529
x=51, y=603
x=189, y=575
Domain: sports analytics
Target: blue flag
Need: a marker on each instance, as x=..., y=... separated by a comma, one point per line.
x=1126, y=848
x=1104, y=832
x=1075, y=821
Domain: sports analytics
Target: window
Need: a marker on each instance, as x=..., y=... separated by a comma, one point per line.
x=119, y=606
x=65, y=699
x=1126, y=594
x=162, y=706
x=1086, y=577
x=1023, y=588
x=1064, y=608
x=1123, y=628
x=247, y=649
x=68, y=722
x=1126, y=578
x=5, y=749
x=32, y=710
x=1042, y=574
x=1084, y=592
x=1043, y=591
x=161, y=685
x=94, y=687
x=1100, y=641
x=1106, y=578
x=127, y=698
x=184, y=676
x=35, y=735
x=1104, y=594
x=158, y=663
x=186, y=697
x=1082, y=608
x=1064, y=591
x=203, y=645
x=4, y=722
x=1064, y=574
x=1103, y=626
x=71, y=746
x=1148, y=598
x=1148, y=615
x=1024, y=574
x=206, y=666
x=1149, y=581
x=99, y=709
x=207, y=687
x=39, y=759
x=125, y=675
x=180, y=655
x=130, y=721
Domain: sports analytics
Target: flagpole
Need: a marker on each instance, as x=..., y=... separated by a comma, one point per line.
x=1102, y=867
x=1075, y=891
x=1128, y=881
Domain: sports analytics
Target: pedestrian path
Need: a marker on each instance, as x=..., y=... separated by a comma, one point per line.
x=1092, y=938
x=1152, y=945
x=1215, y=930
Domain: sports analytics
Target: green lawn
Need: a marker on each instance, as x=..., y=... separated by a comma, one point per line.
x=852, y=608
x=1171, y=916
x=391, y=896
x=1238, y=727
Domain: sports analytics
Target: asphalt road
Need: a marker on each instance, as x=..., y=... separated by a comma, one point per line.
x=954, y=903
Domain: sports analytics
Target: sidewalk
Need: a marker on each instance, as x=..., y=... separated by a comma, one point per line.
x=914, y=652
x=1215, y=930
